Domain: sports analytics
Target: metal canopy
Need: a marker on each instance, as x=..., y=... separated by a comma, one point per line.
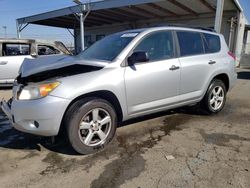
x=122, y=11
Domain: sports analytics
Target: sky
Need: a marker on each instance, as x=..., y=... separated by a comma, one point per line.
x=10, y=10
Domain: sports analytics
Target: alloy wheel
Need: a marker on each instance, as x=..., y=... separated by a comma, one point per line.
x=217, y=98
x=95, y=127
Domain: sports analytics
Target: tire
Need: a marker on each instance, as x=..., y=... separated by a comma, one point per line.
x=91, y=124
x=215, y=97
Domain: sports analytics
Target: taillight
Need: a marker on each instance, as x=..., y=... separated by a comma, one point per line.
x=232, y=55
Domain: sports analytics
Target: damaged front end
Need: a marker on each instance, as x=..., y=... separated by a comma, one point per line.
x=41, y=69
x=57, y=73
x=39, y=77
x=32, y=109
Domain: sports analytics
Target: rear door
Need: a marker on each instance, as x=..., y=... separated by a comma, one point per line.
x=196, y=64
x=13, y=56
x=154, y=84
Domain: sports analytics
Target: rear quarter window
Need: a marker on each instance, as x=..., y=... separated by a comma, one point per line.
x=190, y=43
x=11, y=49
x=211, y=43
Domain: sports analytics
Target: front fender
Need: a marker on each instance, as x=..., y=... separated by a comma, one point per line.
x=107, y=79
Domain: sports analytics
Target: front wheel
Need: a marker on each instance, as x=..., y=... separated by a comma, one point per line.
x=91, y=125
x=215, y=98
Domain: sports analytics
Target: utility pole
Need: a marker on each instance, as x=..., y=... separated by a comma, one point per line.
x=5, y=31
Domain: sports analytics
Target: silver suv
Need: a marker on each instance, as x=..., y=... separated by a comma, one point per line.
x=122, y=76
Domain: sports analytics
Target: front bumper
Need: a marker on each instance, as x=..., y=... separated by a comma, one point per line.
x=40, y=117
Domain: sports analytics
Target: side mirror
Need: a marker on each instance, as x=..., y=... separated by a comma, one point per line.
x=138, y=57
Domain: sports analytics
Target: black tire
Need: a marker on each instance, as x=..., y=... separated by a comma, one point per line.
x=206, y=104
x=73, y=119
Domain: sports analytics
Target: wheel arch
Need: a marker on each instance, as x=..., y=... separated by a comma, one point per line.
x=102, y=94
x=220, y=76
x=224, y=78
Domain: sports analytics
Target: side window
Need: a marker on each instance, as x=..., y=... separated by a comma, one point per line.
x=159, y=46
x=47, y=50
x=15, y=49
x=211, y=43
x=190, y=43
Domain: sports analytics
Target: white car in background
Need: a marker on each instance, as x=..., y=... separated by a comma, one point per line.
x=14, y=51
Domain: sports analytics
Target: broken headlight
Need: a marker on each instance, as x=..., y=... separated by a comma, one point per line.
x=30, y=92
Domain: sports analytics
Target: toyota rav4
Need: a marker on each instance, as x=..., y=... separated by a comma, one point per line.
x=122, y=76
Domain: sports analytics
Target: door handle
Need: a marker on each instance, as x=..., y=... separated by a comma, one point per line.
x=173, y=67
x=211, y=62
x=3, y=62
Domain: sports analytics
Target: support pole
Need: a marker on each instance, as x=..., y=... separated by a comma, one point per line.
x=17, y=30
x=82, y=31
x=85, y=10
x=219, y=14
x=239, y=37
x=231, y=34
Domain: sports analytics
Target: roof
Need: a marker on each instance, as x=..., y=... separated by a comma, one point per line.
x=238, y=5
x=14, y=40
x=122, y=11
x=57, y=44
x=169, y=27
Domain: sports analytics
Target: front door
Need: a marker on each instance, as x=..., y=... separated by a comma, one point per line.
x=155, y=84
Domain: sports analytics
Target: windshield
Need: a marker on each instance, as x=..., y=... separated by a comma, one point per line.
x=108, y=48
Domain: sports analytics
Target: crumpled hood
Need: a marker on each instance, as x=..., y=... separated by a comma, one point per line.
x=49, y=63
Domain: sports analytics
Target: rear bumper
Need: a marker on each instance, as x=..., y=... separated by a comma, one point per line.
x=40, y=117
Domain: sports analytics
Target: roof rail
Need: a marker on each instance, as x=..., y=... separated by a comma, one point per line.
x=190, y=26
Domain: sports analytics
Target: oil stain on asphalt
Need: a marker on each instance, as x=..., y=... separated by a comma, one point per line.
x=130, y=162
x=126, y=156
x=220, y=139
x=57, y=164
x=7, y=133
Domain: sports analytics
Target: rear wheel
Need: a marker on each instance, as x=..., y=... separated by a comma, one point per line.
x=91, y=125
x=215, y=98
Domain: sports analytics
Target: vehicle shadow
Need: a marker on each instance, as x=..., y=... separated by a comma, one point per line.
x=192, y=110
x=244, y=75
x=13, y=139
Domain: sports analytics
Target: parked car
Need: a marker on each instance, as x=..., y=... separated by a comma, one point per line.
x=14, y=51
x=122, y=76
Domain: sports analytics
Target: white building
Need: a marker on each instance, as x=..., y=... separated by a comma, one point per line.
x=105, y=17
